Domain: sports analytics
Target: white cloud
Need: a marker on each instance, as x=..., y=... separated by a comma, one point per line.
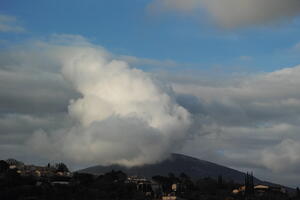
x=282, y=157
x=10, y=24
x=117, y=114
x=122, y=115
x=251, y=123
x=135, y=61
x=233, y=13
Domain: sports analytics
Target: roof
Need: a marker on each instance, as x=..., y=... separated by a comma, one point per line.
x=261, y=187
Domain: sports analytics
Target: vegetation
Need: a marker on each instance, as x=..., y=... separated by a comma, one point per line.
x=81, y=186
x=61, y=167
x=115, y=185
x=3, y=166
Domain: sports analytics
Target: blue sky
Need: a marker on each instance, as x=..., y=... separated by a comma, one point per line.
x=126, y=27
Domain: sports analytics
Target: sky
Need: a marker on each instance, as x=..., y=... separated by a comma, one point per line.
x=129, y=82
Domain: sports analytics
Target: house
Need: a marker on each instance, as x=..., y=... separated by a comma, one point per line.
x=261, y=189
x=14, y=164
x=171, y=196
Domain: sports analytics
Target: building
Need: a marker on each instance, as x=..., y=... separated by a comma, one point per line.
x=171, y=197
x=14, y=164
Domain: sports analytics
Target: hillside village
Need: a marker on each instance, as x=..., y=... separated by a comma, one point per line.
x=29, y=182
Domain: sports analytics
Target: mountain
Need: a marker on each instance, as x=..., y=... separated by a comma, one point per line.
x=176, y=164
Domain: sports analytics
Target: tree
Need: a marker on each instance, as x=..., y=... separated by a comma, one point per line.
x=183, y=176
x=3, y=166
x=84, y=179
x=220, y=182
x=249, y=184
x=116, y=176
x=61, y=167
x=186, y=182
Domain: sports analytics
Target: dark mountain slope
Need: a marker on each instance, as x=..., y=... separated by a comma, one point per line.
x=177, y=163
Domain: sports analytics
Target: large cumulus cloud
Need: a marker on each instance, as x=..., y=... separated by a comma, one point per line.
x=233, y=13
x=114, y=113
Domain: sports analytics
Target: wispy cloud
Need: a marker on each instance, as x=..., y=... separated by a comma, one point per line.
x=10, y=24
x=232, y=13
x=245, y=58
x=136, y=61
x=254, y=121
x=297, y=46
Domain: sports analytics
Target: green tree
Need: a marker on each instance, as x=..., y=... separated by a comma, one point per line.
x=3, y=166
x=61, y=167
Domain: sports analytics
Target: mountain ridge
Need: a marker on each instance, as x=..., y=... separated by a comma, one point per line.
x=176, y=164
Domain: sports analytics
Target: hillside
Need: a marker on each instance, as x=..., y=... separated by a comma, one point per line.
x=177, y=163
